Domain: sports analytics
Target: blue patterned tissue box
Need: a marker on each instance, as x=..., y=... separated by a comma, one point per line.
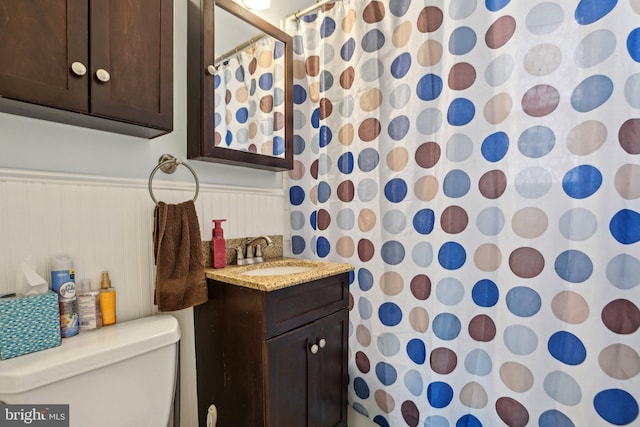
x=28, y=324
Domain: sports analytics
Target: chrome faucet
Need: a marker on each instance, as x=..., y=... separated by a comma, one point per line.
x=249, y=255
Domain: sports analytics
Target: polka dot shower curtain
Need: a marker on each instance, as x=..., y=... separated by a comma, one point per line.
x=478, y=163
x=249, y=101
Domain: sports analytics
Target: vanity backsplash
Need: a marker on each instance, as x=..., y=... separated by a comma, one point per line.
x=273, y=251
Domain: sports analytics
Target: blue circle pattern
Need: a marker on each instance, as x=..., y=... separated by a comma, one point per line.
x=496, y=5
x=574, y=266
x=429, y=87
x=365, y=279
x=401, y=65
x=485, y=293
x=633, y=44
x=582, y=181
x=424, y=220
x=589, y=11
x=625, y=226
x=495, y=146
x=361, y=388
x=395, y=190
x=461, y=111
x=417, y=351
x=523, y=301
x=456, y=183
x=439, y=394
x=567, y=348
x=390, y=314
x=452, y=255
x=616, y=406
x=446, y=326
x=386, y=373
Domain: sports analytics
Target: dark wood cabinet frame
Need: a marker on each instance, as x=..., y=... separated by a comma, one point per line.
x=133, y=40
x=200, y=88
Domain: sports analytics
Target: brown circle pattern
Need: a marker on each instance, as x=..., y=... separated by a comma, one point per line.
x=443, y=360
x=427, y=155
x=621, y=316
x=454, y=220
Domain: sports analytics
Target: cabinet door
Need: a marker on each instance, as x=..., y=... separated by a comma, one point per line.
x=308, y=374
x=132, y=61
x=39, y=40
x=288, y=385
x=329, y=405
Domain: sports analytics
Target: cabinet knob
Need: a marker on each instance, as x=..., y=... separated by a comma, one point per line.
x=314, y=348
x=103, y=75
x=211, y=70
x=322, y=343
x=78, y=69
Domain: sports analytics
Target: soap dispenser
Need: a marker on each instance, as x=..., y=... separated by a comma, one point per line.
x=218, y=246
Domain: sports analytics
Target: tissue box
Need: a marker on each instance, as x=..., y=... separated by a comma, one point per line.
x=28, y=324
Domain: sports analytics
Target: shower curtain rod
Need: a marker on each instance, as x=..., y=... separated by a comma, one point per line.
x=309, y=9
x=239, y=48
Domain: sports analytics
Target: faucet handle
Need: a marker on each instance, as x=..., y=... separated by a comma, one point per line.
x=239, y=254
x=258, y=250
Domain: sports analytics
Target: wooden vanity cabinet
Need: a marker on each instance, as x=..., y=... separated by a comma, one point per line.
x=104, y=64
x=274, y=359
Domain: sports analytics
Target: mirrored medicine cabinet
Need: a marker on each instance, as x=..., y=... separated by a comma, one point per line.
x=240, y=84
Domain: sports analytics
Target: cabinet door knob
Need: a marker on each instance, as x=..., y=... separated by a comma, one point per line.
x=78, y=69
x=322, y=343
x=314, y=348
x=211, y=70
x=103, y=75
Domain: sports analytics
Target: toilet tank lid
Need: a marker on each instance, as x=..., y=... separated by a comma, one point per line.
x=88, y=351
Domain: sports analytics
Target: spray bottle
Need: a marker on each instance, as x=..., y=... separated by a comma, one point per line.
x=64, y=284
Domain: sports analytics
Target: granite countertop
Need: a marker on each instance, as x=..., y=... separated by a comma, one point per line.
x=233, y=274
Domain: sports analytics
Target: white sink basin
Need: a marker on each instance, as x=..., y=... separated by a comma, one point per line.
x=278, y=270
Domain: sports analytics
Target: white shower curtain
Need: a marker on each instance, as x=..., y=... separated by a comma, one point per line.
x=249, y=100
x=478, y=164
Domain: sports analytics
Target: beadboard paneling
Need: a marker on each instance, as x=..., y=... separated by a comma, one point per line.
x=106, y=224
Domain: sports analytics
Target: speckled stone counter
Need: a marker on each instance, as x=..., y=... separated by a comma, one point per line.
x=233, y=274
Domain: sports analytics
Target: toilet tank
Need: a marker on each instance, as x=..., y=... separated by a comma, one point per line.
x=121, y=375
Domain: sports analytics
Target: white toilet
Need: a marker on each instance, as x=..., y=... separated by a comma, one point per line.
x=118, y=376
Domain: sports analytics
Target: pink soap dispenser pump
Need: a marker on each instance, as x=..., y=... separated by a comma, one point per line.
x=218, y=247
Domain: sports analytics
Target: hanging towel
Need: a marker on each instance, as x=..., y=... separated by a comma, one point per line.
x=180, y=278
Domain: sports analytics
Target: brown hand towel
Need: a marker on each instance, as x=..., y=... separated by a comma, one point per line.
x=180, y=278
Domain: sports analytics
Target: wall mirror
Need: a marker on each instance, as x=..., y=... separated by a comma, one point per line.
x=240, y=100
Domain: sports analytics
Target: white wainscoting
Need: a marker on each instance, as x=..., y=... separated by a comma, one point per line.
x=106, y=223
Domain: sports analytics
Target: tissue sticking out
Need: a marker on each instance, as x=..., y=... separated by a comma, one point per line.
x=28, y=281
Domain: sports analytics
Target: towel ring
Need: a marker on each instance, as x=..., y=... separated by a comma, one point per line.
x=168, y=164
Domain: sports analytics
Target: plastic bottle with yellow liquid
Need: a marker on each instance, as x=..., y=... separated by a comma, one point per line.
x=107, y=300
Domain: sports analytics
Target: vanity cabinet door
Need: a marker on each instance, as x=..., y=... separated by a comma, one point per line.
x=290, y=362
x=329, y=405
x=39, y=40
x=307, y=375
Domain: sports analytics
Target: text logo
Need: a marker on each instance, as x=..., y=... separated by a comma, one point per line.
x=34, y=415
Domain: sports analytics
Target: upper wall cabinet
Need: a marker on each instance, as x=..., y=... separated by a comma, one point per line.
x=240, y=84
x=103, y=64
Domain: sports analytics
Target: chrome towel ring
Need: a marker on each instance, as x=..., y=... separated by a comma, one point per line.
x=168, y=164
